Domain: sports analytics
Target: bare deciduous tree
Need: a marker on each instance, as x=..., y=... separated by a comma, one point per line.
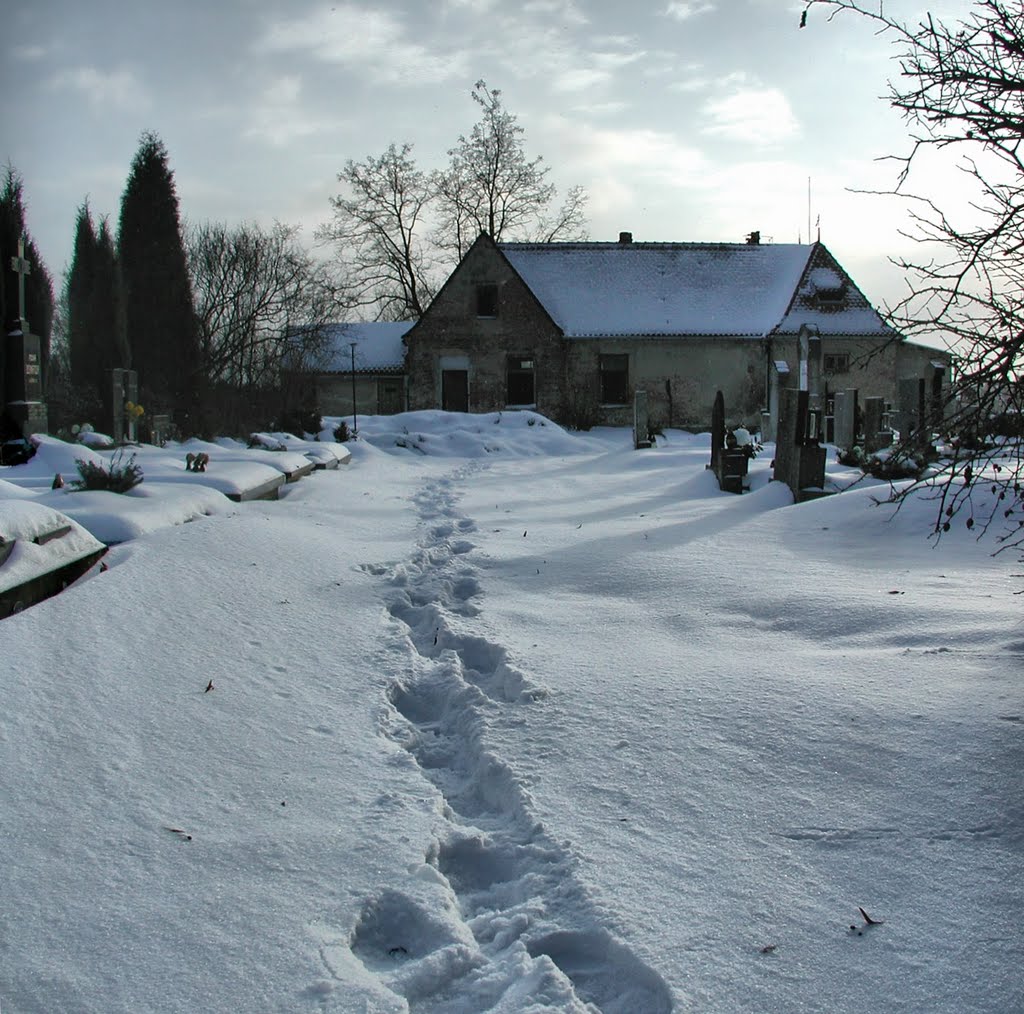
x=399, y=229
x=961, y=90
x=261, y=302
x=491, y=186
x=377, y=227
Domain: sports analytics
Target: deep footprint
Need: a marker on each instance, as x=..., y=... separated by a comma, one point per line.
x=605, y=973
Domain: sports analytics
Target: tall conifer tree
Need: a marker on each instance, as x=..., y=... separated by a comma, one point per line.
x=95, y=311
x=159, y=316
x=81, y=284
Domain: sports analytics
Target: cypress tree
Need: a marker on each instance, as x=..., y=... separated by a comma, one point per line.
x=158, y=308
x=108, y=313
x=95, y=313
x=81, y=284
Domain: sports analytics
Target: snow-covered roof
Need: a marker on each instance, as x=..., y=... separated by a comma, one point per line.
x=379, y=346
x=663, y=289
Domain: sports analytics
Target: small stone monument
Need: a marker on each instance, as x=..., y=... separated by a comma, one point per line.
x=641, y=421
x=23, y=403
x=159, y=429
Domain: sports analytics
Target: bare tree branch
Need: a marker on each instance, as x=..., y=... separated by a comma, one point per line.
x=961, y=90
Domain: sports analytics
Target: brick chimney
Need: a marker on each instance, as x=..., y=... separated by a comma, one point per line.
x=625, y=237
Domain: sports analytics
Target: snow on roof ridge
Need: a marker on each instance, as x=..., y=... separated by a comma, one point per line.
x=643, y=244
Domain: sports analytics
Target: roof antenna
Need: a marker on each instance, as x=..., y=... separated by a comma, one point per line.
x=808, y=209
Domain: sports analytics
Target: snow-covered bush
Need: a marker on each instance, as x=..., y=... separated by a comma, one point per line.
x=119, y=477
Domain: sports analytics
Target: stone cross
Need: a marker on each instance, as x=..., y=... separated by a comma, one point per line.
x=21, y=267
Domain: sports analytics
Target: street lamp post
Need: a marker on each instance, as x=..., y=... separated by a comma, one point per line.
x=355, y=423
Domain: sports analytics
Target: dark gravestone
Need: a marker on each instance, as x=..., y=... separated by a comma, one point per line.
x=938, y=405
x=778, y=379
x=876, y=434
x=641, y=421
x=799, y=456
x=23, y=366
x=912, y=413
x=159, y=429
x=125, y=384
x=728, y=463
x=846, y=434
x=717, y=430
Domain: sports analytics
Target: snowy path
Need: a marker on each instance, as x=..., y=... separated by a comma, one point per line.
x=530, y=724
x=514, y=929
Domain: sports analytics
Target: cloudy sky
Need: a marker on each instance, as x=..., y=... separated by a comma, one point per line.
x=683, y=119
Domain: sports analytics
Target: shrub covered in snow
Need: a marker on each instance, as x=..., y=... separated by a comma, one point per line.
x=119, y=477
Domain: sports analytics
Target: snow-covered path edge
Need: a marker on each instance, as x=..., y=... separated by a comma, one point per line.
x=495, y=919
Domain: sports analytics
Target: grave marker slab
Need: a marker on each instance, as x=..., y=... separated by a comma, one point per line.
x=641, y=421
x=846, y=434
x=729, y=463
x=22, y=394
x=125, y=384
x=912, y=412
x=876, y=434
x=799, y=456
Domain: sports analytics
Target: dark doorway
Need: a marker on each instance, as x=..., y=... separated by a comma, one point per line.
x=455, y=390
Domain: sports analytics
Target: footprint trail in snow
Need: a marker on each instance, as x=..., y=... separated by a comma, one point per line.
x=502, y=922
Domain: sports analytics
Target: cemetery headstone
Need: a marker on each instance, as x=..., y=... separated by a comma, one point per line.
x=728, y=461
x=159, y=429
x=125, y=398
x=799, y=456
x=22, y=395
x=811, y=370
x=938, y=405
x=876, y=434
x=778, y=378
x=641, y=421
x=717, y=430
x=846, y=434
x=912, y=413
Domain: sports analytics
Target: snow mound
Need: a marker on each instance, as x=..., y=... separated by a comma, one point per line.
x=21, y=522
x=461, y=435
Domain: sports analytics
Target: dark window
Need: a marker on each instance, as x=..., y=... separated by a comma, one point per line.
x=520, y=381
x=487, y=300
x=614, y=379
x=390, y=400
x=830, y=297
x=838, y=362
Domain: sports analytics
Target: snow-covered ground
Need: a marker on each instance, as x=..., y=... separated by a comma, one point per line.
x=506, y=719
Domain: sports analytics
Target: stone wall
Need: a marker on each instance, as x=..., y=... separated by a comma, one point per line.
x=374, y=395
x=872, y=363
